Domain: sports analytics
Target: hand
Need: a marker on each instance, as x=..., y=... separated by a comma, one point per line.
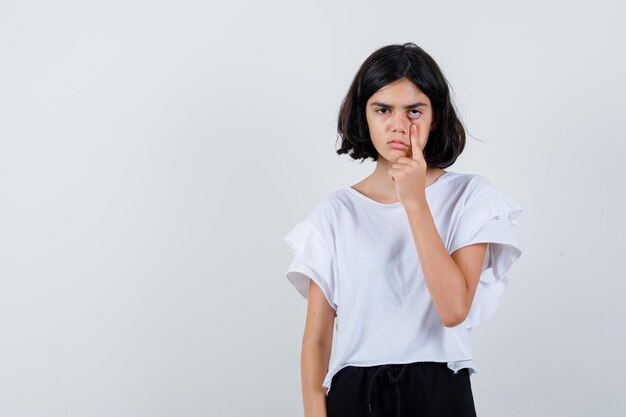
x=409, y=172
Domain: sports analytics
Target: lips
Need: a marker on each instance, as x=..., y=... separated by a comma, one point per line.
x=398, y=144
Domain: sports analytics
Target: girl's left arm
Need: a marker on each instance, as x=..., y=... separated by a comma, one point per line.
x=451, y=279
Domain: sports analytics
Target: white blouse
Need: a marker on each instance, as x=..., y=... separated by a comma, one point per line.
x=362, y=255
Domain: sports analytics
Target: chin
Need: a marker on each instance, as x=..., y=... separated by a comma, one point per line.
x=394, y=156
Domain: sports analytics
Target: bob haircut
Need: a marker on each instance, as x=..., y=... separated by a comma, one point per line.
x=388, y=64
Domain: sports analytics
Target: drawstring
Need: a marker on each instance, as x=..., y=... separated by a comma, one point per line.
x=392, y=380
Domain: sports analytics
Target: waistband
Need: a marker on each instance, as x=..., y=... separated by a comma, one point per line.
x=399, y=366
x=394, y=373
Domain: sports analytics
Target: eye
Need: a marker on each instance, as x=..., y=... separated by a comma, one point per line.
x=379, y=111
x=414, y=113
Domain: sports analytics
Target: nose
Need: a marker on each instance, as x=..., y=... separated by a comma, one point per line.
x=400, y=123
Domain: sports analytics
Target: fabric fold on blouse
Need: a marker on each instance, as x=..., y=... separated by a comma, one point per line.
x=489, y=217
x=312, y=259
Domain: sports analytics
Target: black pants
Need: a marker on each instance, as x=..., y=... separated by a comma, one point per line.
x=418, y=389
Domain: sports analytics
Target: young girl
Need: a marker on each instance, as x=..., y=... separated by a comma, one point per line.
x=405, y=262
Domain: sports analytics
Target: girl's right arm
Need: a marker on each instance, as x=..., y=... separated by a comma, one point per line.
x=316, y=350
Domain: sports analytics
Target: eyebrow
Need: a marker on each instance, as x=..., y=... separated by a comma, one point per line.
x=410, y=106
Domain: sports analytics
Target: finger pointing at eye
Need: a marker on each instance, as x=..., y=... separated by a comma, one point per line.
x=414, y=141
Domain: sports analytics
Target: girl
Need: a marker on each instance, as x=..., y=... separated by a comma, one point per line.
x=405, y=262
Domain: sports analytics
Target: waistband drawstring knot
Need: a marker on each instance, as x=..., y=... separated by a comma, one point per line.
x=392, y=380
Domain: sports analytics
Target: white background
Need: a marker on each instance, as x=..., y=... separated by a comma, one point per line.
x=152, y=154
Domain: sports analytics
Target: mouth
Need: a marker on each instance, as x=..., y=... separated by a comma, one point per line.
x=398, y=144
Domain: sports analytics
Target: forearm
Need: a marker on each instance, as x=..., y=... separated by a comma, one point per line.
x=315, y=357
x=444, y=279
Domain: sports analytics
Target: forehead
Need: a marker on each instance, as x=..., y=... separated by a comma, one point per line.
x=399, y=91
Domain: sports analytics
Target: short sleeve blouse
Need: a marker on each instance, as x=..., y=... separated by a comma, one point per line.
x=362, y=255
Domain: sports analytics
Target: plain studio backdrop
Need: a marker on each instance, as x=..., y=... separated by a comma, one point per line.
x=153, y=153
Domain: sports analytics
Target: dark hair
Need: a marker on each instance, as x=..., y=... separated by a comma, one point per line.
x=388, y=64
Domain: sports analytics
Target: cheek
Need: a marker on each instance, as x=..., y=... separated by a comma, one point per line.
x=373, y=126
x=423, y=122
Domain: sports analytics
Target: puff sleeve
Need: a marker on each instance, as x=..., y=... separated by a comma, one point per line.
x=489, y=216
x=313, y=259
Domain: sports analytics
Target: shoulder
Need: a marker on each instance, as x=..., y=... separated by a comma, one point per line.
x=470, y=183
x=483, y=195
x=328, y=212
x=327, y=208
x=463, y=188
